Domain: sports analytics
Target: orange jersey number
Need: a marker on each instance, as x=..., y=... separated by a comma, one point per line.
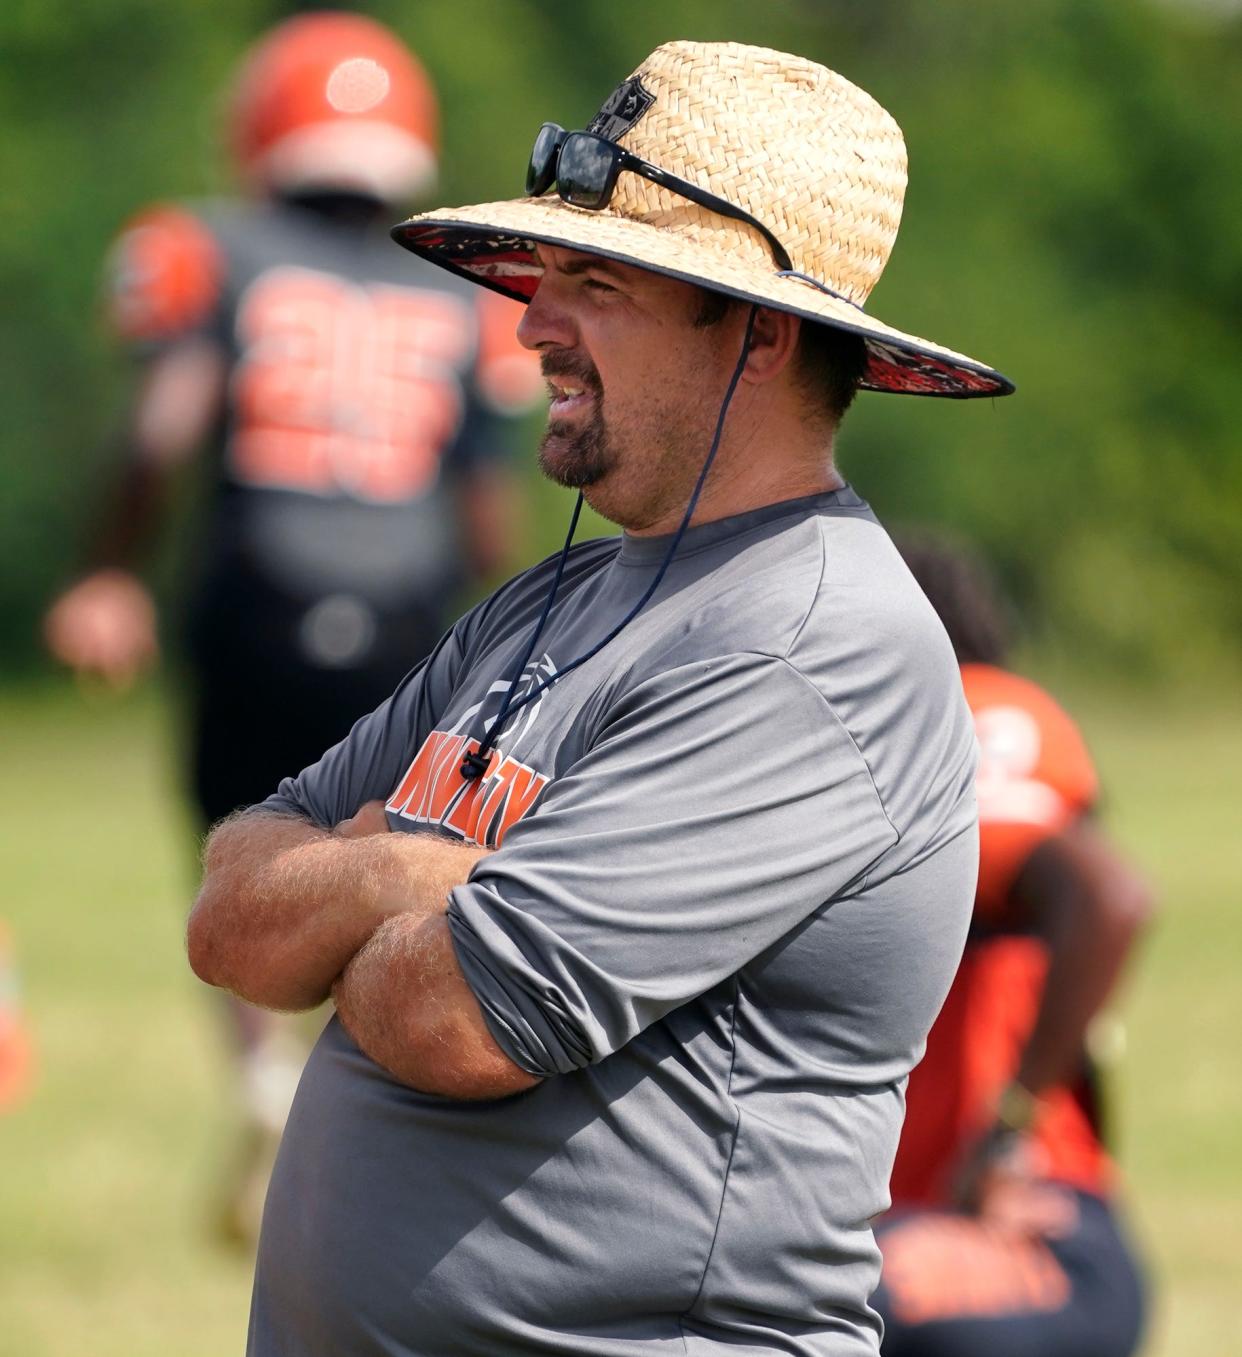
x=345, y=389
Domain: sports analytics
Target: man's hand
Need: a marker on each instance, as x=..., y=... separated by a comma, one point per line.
x=289, y=912
x=403, y=997
x=368, y=819
x=283, y=907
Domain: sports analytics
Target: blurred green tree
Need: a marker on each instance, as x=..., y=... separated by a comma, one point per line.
x=1071, y=218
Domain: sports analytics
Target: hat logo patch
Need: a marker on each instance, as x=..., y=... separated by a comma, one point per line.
x=621, y=110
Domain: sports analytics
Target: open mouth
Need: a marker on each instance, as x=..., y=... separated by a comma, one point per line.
x=569, y=397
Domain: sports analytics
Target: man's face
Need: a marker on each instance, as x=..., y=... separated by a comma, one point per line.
x=636, y=385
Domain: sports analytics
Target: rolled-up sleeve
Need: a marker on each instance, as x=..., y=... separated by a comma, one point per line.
x=719, y=805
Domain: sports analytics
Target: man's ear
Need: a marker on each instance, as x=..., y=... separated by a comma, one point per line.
x=773, y=345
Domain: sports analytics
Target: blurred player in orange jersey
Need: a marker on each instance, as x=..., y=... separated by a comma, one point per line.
x=351, y=400
x=1004, y=1236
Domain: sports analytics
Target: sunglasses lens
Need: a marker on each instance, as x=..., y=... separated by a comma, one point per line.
x=584, y=175
x=541, y=172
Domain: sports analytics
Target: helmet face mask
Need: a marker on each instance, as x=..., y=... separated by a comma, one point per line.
x=335, y=103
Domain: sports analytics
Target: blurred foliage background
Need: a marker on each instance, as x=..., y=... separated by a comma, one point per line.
x=1072, y=218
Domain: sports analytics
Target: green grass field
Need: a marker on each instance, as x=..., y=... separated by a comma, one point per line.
x=106, y=1172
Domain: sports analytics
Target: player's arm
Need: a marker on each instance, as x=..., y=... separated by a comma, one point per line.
x=175, y=405
x=1090, y=906
x=104, y=623
x=166, y=272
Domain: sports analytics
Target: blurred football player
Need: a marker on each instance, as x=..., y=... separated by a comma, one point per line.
x=1004, y=1235
x=350, y=400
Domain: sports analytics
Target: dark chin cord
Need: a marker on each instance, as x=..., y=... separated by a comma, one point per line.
x=474, y=765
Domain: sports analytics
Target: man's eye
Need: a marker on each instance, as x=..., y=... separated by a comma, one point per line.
x=597, y=285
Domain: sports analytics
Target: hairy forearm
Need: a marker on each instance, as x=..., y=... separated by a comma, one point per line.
x=285, y=905
x=404, y=1000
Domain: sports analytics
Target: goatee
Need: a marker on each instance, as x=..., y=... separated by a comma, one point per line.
x=573, y=454
x=575, y=457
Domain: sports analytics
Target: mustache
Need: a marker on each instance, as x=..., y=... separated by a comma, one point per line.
x=563, y=363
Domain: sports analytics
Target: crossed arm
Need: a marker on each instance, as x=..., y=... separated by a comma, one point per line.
x=289, y=914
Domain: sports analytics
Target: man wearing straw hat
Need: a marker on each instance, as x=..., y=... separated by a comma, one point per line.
x=638, y=898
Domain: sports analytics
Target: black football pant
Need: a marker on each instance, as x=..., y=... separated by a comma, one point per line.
x=260, y=711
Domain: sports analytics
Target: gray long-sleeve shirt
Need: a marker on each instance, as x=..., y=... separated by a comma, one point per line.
x=737, y=857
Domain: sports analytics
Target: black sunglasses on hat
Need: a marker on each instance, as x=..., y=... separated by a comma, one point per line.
x=584, y=167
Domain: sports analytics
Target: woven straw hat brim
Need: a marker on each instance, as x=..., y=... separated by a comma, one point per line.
x=491, y=244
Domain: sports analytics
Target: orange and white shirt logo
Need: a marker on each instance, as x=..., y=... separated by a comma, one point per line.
x=479, y=810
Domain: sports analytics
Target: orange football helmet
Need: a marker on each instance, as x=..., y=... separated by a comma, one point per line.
x=335, y=101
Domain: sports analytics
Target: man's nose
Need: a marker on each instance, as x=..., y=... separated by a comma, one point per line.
x=546, y=322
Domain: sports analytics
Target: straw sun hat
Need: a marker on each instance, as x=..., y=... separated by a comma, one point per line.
x=793, y=144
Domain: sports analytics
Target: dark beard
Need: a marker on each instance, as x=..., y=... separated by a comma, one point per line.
x=585, y=454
